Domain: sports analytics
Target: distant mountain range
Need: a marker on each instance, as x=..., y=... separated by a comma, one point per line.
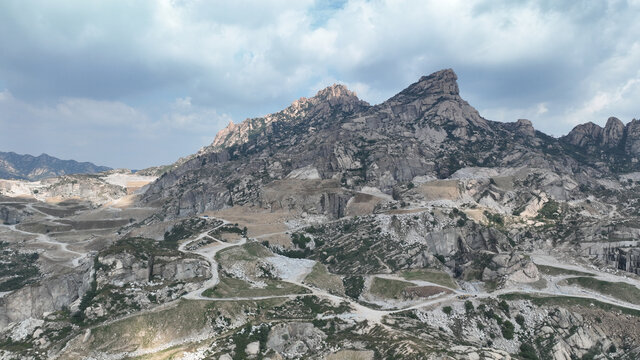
x=28, y=167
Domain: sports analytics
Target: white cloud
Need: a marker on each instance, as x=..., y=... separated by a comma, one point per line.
x=195, y=64
x=106, y=132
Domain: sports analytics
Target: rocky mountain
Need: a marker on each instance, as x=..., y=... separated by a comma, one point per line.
x=427, y=130
x=616, y=147
x=336, y=229
x=28, y=167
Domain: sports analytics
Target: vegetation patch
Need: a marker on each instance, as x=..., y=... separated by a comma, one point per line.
x=550, y=210
x=141, y=248
x=186, y=229
x=389, y=288
x=237, y=288
x=565, y=301
x=248, y=252
x=619, y=290
x=556, y=271
x=353, y=286
x=434, y=276
x=16, y=269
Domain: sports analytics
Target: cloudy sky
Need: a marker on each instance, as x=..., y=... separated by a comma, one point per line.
x=141, y=83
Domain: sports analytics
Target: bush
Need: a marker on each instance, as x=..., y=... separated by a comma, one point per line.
x=447, y=310
x=550, y=210
x=300, y=240
x=528, y=352
x=520, y=320
x=495, y=219
x=507, y=329
x=504, y=307
x=468, y=307
x=353, y=286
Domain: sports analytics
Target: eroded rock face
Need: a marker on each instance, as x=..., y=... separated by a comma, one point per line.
x=335, y=98
x=514, y=267
x=616, y=144
x=592, y=135
x=585, y=134
x=54, y=294
x=122, y=268
x=577, y=339
x=294, y=340
x=11, y=215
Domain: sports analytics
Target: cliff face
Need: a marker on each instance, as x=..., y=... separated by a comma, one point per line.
x=55, y=294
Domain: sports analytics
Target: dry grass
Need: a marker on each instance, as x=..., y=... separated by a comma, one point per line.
x=425, y=291
x=440, y=190
x=351, y=355
x=389, y=288
x=258, y=221
x=434, y=276
x=321, y=277
x=362, y=204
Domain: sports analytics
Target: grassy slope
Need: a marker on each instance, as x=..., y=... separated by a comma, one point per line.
x=434, y=276
x=619, y=290
x=230, y=287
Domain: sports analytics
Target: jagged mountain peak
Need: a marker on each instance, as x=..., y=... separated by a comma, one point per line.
x=592, y=134
x=333, y=95
x=335, y=98
x=439, y=83
x=614, y=122
x=443, y=81
x=336, y=91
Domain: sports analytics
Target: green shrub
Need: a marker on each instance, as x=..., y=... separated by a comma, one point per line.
x=528, y=352
x=447, y=310
x=353, y=286
x=550, y=210
x=504, y=307
x=507, y=329
x=468, y=307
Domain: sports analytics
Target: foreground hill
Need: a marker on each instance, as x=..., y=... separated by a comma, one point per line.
x=28, y=167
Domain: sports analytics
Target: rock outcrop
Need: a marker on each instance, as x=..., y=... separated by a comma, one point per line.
x=54, y=294
x=295, y=340
x=616, y=145
x=123, y=268
x=513, y=267
x=11, y=214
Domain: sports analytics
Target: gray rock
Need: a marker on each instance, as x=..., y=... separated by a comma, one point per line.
x=293, y=340
x=54, y=294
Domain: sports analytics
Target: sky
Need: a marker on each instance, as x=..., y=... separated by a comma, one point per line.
x=141, y=83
